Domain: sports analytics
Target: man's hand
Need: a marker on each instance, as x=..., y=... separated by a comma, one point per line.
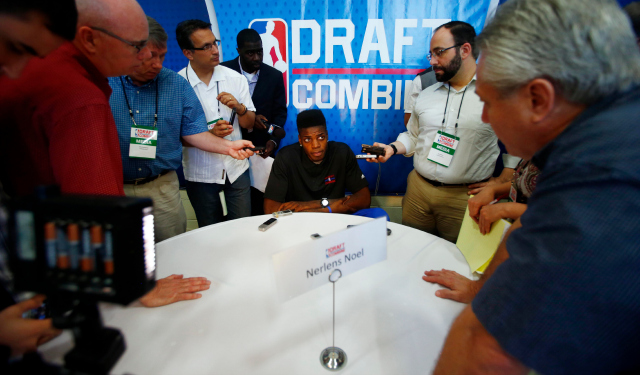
x=238, y=151
x=505, y=176
x=24, y=335
x=488, y=215
x=222, y=128
x=268, y=149
x=173, y=289
x=230, y=101
x=478, y=201
x=388, y=152
x=477, y=187
x=297, y=206
x=460, y=289
x=480, y=186
x=258, y=124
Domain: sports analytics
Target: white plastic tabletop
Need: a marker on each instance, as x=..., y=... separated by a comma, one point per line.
x=388, y=320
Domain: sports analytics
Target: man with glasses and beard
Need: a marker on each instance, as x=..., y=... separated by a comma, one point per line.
x=453, y=148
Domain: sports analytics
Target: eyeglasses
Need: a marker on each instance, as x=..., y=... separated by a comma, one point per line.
x=138, y=46
x=208, y=46
x=439, y=53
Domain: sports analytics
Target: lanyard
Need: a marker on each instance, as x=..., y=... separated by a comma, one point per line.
x=217, y=88
x=459, y=109
x=155, y=115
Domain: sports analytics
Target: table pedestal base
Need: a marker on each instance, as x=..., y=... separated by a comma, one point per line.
x=333, y=358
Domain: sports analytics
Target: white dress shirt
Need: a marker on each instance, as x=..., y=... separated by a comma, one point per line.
x=203, y=166
x=411, y=94
x=475, y=157
x=252, y=78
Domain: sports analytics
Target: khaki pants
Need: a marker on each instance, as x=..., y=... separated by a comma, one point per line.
x=169, y=217
x=436, y=210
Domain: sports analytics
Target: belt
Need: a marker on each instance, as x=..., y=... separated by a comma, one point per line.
x=142, y=181
x=439, y=184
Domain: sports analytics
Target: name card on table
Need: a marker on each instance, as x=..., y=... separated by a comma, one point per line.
x=307, y=266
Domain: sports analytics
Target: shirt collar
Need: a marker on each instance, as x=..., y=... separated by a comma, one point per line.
x=568, y=135
x=128, y=80
x=93, y=73
x=192, y=76
x=444, y=84
x=257, y=72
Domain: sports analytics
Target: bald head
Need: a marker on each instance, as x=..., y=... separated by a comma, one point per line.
x=113, y=15
x=112, y=34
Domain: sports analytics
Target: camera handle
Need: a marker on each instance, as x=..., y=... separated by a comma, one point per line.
x=97, y=348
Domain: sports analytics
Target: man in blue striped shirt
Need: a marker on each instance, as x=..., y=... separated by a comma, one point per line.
x=156, y=111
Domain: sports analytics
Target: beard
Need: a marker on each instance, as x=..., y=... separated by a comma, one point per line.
x=450, y=70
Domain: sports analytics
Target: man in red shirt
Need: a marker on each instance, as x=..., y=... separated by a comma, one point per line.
x=57, y=126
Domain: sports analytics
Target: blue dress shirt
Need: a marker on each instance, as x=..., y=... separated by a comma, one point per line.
x=567, y=301
x=179, y=113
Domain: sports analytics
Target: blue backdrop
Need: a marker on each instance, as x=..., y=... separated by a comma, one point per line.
x=351, y=58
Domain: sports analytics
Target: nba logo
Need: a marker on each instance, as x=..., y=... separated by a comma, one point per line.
x=275, y=44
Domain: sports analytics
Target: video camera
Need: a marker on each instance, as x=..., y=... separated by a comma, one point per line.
x=79, y=250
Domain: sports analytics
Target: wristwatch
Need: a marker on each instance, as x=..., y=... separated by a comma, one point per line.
x=325, y=204
x=395, y=150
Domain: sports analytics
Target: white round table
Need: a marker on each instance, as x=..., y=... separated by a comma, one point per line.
x=388, y=320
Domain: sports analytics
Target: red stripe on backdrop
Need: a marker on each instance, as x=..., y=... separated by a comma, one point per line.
x=357, y=71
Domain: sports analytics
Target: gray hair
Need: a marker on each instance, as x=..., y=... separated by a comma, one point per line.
x=157, y=36
x=586, y=48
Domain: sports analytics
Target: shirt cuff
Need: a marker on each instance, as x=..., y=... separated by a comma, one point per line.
x=405, y=139
x=510, y=161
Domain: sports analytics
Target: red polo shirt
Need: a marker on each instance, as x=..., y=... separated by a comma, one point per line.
x=56, y=127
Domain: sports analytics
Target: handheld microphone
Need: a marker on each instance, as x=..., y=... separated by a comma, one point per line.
x=233, y=116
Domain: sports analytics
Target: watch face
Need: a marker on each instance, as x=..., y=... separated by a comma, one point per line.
x=325, y=202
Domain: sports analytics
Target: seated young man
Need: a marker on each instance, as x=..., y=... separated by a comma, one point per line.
x=314, y=175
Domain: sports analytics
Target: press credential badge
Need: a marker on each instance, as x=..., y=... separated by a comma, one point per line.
x=144, y=140
x=443, y=148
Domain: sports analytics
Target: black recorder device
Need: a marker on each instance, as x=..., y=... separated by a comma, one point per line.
x=79, y=250
x=373, y=150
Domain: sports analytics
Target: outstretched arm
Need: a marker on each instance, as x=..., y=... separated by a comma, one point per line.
x=470, y=349
x=461, y=289
x=173, y=289
x=209, y=142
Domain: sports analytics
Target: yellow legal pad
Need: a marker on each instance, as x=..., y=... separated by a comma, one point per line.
x=478, y=249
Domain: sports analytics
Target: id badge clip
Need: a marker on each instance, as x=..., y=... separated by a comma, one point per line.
x=143, y=143
x=443, y=148
x=513, y=194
